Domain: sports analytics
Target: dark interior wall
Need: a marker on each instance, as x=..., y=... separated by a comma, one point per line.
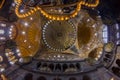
x=110, y=9
x=4, y=12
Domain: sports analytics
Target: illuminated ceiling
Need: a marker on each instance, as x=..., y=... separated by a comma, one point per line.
x=58, y=40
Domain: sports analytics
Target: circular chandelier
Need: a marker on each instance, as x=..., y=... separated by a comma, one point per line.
x=2, y=3
x=54, y=11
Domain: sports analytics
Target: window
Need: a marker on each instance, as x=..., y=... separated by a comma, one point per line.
x=2, y=31
x=117, y=26
x=105, y=34
x=118, y=42
x=2, y=38
x=118, y=35
x=2, y=24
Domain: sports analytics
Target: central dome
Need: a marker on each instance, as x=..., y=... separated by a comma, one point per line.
x=59, y=35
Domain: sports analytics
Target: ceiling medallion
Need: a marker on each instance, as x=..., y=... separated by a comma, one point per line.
x=56, y=11
x=59, y=35
x=2, y=3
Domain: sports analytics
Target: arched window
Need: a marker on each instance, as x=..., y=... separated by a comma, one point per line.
x=51, y=66
x=2, y=31
x=105, y=34
x=117, y=26
x=58, y=67
x=38, y=65
x=65, y=66
x=118, y=35
x=118, y=42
